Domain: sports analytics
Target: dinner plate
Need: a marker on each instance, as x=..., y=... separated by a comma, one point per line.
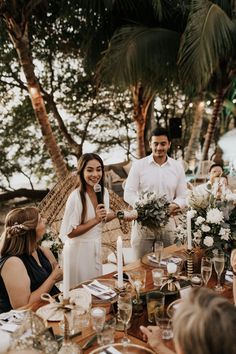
x=50, y=312
x=173, y=307
x=111, y=283
x=80, y=297
x=120, y=348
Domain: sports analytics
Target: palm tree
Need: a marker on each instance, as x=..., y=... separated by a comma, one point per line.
x=16, y=15
x=206, y=47
x=140, y=41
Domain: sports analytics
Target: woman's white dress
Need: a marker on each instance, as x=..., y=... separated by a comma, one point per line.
x=85, y=250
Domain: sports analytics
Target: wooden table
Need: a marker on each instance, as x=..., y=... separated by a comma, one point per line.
x=134, y=332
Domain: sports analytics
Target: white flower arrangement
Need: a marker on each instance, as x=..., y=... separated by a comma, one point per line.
x=213, y=223
x=53, y=243
x=153, y=210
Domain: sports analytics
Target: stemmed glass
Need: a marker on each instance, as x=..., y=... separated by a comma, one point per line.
x=125, y=313
x=98, y=316
x=206, y=269
x=219, y=262
x=158, y=250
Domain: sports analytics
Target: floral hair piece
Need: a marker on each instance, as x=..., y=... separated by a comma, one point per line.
x=16, y=230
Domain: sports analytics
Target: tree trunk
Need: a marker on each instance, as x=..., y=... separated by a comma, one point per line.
x=20, y=40
x=141, y=105
x=195, y=134
x=212, y=124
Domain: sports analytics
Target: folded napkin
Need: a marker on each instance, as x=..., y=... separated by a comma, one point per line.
x=10, y=321
x=100, y=290
x=164, y=262
x=110, y=350
x=229, y=276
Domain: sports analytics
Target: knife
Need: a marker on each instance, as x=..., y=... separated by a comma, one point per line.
x=89, y=342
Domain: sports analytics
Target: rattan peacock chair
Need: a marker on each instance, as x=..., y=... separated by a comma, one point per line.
x=53, y=205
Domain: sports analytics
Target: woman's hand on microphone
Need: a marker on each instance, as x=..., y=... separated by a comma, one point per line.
x=101, y=213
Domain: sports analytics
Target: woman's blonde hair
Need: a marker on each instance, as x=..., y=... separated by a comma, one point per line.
x=205, y=323
x=19, y=235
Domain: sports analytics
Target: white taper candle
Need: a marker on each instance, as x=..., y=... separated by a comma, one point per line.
x=66, y=270
x=119, y=262
x=189, y=230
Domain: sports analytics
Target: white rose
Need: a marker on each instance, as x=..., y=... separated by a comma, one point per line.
x=205, y=228
x=47, y=243
x=224, y=233
x=214, y=216
x=191, y=213
x=199, y=220
x=208, y=241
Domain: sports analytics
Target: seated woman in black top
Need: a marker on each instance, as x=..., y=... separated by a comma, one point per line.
x=26, y=269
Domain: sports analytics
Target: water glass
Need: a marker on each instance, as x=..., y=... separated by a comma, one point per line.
x=157, y=276
x=206, y=269
x=165, y=325
x=155, y=304
x=138, y=280
x=196, y=280
x=98, y=317
x=108, y=331
x=158, y=250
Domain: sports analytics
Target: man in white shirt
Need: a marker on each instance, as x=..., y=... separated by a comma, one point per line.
x=160, y=174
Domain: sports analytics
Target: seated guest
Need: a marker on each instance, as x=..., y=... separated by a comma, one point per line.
x=233, y=265
x=26, y=269
x=204, y=323
x=215, y=170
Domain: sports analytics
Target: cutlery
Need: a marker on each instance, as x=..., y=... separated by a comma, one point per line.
x=101, y=291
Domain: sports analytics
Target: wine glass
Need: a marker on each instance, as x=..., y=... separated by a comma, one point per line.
x=158, y=250
x=125, y=313
x=98, y=317
x=206, y=269
x=138, y=279
x=219, y=262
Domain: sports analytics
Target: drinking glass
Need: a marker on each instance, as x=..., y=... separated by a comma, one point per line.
x=125, y=313
x=157, y=275
x=155, y=304
x=165, y=325
x=98, y=317
x=138, y=280
x=158, y=250
x=219, y=262
x=206, y=269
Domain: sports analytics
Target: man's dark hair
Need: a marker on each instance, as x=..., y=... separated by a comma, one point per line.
x=216, y=165
x=160, y=131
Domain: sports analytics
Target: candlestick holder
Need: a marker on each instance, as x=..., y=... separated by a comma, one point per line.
x=190, y=254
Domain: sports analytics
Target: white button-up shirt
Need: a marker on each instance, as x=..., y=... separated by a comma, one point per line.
x=147, y=176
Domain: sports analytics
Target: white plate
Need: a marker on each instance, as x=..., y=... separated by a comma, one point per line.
x=120, y=348
x=80, y=297
x=50, y=313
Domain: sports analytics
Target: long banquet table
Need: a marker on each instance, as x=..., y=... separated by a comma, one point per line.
x=134, y=332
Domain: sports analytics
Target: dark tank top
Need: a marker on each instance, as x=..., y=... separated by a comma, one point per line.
x=37, y=274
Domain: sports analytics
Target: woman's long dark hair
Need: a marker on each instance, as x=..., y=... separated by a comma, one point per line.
x=84, y=159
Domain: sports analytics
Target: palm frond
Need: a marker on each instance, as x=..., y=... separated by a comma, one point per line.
x=206, y=40
x=140, y=55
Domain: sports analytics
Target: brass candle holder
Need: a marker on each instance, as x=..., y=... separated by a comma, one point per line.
x=190, y=254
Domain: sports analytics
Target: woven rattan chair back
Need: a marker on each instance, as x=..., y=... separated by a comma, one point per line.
x=53, y=205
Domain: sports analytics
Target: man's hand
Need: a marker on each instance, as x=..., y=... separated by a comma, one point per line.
x=174, y=209
x=153, y=336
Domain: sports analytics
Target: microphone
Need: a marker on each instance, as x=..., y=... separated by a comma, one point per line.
x=98, y=191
